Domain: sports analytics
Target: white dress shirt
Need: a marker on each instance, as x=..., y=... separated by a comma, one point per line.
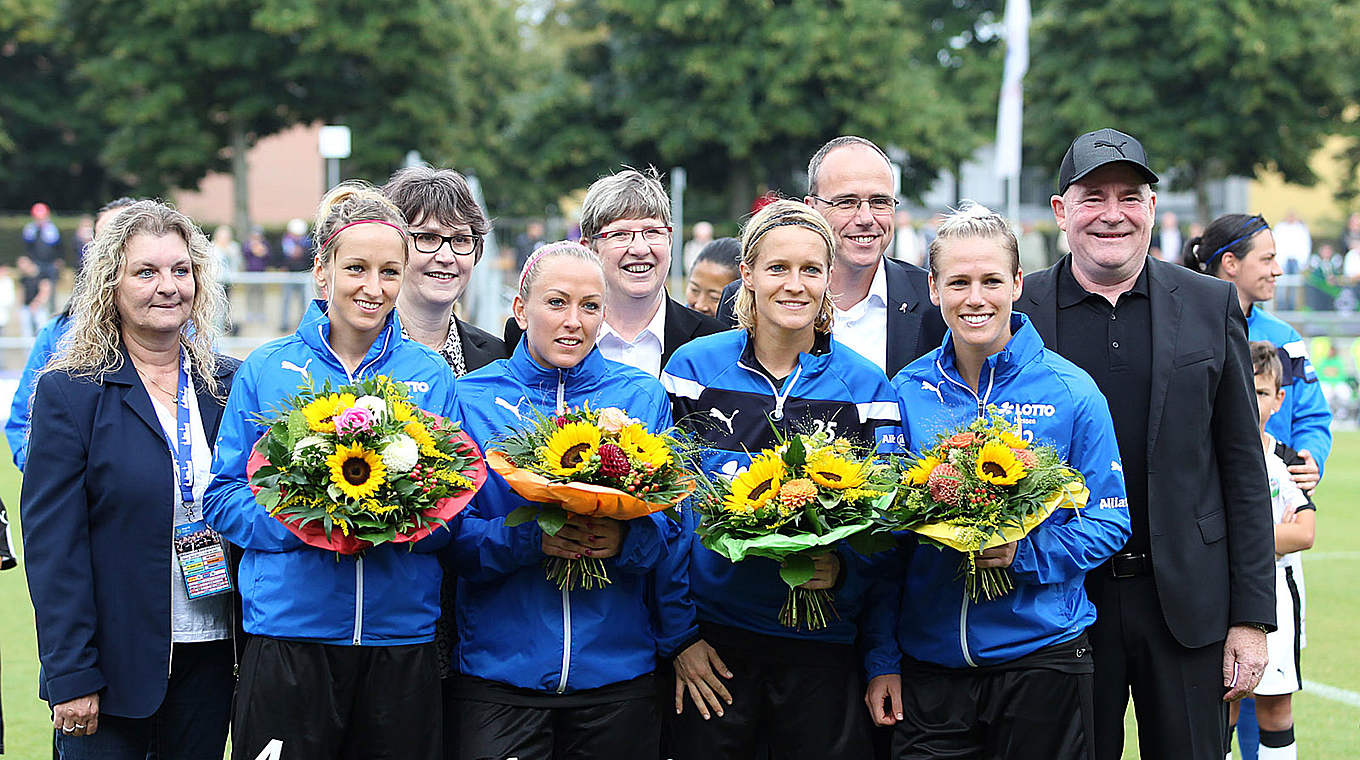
x=644, y=351
x=863, y=328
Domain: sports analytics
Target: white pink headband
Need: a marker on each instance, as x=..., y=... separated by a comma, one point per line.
x=542, y=251
x=344, y=227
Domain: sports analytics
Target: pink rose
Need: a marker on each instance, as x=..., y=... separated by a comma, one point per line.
x=353, y=420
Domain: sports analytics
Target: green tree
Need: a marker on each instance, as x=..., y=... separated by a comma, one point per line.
x=740, y=92
x=1212, y=88
x=49, y=145
x=191, y=85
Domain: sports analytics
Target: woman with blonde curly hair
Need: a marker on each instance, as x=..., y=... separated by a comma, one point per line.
x=341, y=660
x=135, y=643
x=753, y=682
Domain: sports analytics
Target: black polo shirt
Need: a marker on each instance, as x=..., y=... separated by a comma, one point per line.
x=1113, y=343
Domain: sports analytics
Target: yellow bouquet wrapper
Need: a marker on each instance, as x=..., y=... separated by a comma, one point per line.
x=1071, y=496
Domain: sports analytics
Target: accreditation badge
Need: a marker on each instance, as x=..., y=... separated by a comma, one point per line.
x=202, y=560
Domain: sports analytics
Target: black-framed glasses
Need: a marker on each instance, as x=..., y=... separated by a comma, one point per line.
x=461, y=243
x=878, y=204
x=621, y=238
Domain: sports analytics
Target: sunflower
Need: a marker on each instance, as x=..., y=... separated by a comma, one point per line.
x=759, y=484
x=831, y=471
x=570, y=448
x=1013, y=440
x=642, y=447
x=322, y=409
x=920, y=472
x=357, y=471
x=996, y=464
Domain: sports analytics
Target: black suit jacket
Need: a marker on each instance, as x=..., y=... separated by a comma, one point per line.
x=683, y=325
x=98, y=502
x=480, y=347
x=1209, y=513
x=915, y=326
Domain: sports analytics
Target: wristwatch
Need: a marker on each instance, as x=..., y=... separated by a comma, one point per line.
x=1262, y=627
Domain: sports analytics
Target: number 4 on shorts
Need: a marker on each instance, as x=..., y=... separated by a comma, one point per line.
x=272, y=751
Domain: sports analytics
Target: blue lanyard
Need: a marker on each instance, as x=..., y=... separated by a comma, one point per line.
x=182, y=447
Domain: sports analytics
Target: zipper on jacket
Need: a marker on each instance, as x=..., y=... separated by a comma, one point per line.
x=358, y=600
x=779, y=396
x=359, y=371
x=561, y=391
x=981, y=400
x=566, y=641
x=963, y=631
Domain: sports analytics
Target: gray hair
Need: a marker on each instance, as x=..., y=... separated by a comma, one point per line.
x=93, y=347
x=974, y=220
x=815, y=165
x=630, y=194
x=424, y=193
x=562, y=248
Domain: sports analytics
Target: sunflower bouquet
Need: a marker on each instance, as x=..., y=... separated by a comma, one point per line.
x=592, y=462
x=980, y=486
x=361, y=465
x=795, y=501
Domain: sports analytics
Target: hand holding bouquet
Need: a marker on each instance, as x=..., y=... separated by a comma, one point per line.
x=793, y=502
x=981, y=486
x=361, y=466
x=592, y=463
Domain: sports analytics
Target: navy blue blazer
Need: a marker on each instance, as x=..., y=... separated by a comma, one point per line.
x=97, y=506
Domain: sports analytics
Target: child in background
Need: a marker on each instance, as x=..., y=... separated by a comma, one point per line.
x=1294, y=529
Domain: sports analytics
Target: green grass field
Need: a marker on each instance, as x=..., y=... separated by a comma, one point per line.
x=1327, y=728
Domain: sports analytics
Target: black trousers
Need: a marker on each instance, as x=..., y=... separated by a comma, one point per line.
x=1177, y=692
x=346, y=703
x=1024, y=714
x=623, y=730
x=811, y=709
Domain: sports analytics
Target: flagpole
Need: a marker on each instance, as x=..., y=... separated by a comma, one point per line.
x=1010, y=110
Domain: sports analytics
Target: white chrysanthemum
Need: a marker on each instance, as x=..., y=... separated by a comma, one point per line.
x=311, y=442
x=400, y=453
x=375, y=405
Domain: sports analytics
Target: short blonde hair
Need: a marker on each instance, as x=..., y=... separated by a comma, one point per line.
x=970, y=221
x=93, y=347
x=533, y=266
x=782, y=213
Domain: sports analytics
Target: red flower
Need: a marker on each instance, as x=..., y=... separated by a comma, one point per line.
x=945, y=484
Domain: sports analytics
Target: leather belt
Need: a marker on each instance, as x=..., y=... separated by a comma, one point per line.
x=1130, y=565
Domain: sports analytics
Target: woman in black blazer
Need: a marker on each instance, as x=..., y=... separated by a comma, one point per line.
x=133, y=598
x=448, y=231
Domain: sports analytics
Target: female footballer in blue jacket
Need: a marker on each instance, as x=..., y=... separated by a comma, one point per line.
x=1010, y=676
x=342, y=661
x=752, y=681
x=547, y=672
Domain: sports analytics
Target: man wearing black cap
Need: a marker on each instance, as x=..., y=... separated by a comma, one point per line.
x=1184, y=608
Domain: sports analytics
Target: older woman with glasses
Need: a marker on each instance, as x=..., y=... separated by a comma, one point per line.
x=448, y=233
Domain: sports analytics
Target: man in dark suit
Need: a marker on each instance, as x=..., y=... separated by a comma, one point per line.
x=626, y=219
x=850, y=182
x=1185, y=607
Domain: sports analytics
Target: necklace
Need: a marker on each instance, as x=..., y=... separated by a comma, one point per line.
x=152, y=380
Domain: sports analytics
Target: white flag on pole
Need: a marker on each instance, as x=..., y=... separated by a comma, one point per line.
x=1008, y=115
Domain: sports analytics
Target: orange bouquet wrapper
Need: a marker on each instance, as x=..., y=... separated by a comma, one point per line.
x=578, y=498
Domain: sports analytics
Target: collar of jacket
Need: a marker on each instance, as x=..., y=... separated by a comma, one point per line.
x=315, y=332
x=812, y=363
x=1023, y=347
x=531, y=374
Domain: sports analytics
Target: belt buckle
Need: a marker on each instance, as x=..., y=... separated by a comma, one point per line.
x=1127, y=565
